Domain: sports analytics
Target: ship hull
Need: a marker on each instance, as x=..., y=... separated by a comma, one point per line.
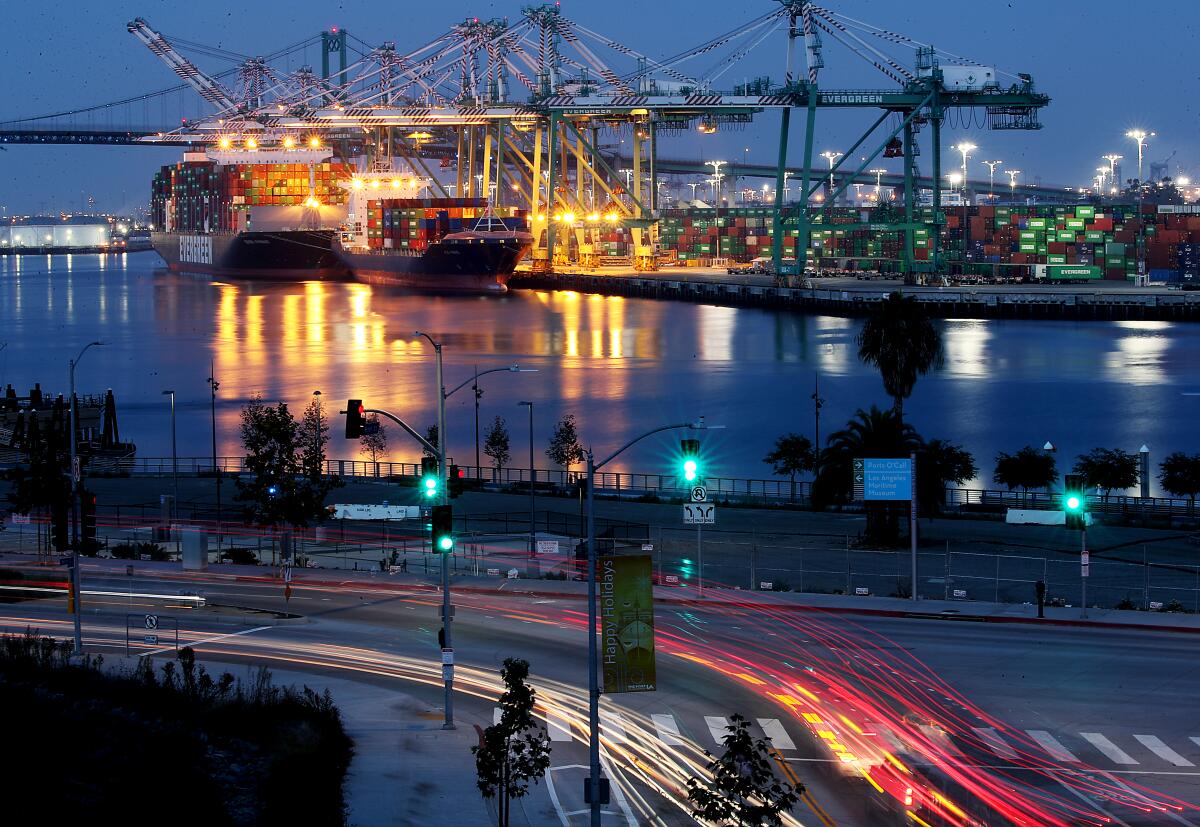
x=284, y=255
x=445, y=267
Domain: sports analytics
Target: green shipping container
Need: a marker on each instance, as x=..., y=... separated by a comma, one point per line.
x=1028, y=247
x=1037, y=224
x=1093, y=236
x=1056, y=259
x=1068, y=272
x=1075, y=224
x=1085, y=212
x=1068, y=237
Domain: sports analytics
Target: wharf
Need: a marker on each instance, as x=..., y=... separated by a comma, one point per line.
x=1102, y=301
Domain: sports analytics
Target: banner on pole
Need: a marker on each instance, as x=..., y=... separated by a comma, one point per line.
x=627, y=623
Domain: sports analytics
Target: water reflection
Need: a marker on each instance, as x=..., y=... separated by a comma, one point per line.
x=621, y=365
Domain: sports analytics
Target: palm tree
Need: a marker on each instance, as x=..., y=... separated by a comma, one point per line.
x=901, y=342
x=875, y=434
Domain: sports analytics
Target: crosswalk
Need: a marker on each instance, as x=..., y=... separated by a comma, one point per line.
x=1144, y=751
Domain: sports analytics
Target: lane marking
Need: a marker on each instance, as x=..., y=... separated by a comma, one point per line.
x=193, y=644
x=775, y=733
x=716, y=727
x=995, y=743
x=1111, y=750
x=612, y=727
x=668, y=730
x=1156, y=745
x=1051, y=745
x=558, y=726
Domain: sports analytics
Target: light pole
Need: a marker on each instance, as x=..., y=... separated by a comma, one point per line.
x=991, y=165
x=174, y=461
x=693, y=185
x=532, y=480
x=878, y=173
x=965, y=149
x=447, y=670
x=213, y=384
x=831, y=156
x=76, y=474
x=1140, y=136
x=474, y=383
x=593, y=676
x=1112, y=170
x=1012, y=182
x=955, y=178
x=716, y=165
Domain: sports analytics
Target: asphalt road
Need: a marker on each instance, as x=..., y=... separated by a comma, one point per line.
x=1063, y=725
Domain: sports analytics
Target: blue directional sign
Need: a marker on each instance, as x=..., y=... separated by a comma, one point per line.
x=884, y=479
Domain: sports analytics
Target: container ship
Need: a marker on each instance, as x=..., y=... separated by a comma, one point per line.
x=256, y=214
x=454, y=245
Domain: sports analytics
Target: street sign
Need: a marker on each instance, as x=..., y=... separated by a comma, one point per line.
x=151, y=621
x=493, y=572
x=647, y=547
x=547, y=546
x=75, y=466
x=766, y=586
x=151, y=639
x=671, y=579
x=447, y=657
x=862, y=591
x=699, y=494
x=883, y=480
x=20, y=519
x=699, y=514
x=1085, y=570
x=960, y=593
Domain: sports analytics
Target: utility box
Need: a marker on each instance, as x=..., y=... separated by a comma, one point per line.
x=195, y=549
x=968, y=78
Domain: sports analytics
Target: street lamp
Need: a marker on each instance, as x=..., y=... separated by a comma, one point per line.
x=532, y=479
x=593, y=677
x=174, y=460
x=716, y=165
x=831, y=156
x=447, y=670
x=474, y=383
x=878, y=173
x=956, y=178
x=76, y=474
x=1140, y=135
x=213, y=385
x=991, y=165
x=1112, y=168
x=1012, y=181
x=693, y=185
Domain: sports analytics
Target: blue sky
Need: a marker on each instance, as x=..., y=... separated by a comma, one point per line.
x=1106, y=69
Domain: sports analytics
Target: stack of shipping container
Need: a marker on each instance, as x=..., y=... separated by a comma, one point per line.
x=203, y=196
x=414, y=223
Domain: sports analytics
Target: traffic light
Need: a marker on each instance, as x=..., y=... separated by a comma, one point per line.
x=1074, y=501
x=443, y=528
x=87, y=516
x=355, y=418
x=455, y=483
x=690, y=448
x=429, y=476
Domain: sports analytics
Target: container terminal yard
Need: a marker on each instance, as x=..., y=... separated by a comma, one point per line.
x=546, y=120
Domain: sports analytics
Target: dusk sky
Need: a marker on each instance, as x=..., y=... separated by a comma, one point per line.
x=1107, y=70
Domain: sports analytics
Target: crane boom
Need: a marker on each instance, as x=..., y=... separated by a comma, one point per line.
x=208, y=88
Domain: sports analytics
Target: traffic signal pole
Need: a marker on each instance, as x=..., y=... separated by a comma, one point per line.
x=1084, y=566
x=593, y=781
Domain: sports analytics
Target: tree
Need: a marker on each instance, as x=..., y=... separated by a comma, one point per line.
x=431, y=436
x=286, y=484
x=565, y=449
x=41, y=481
x=940, y=463
x=870, y=434
x=1108, y=468
x=743, y=789
x=901, y=342
x=1180, y=475
x=1027, y=468
x=791, y=455
x=514, y=751
x=496, y=443
x=373, y=444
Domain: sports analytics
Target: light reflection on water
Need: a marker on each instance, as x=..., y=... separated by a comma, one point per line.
x=622, y=365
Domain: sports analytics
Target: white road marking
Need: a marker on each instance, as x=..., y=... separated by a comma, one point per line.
x=775, y=732
x=1156, y=745
x=668, y=730
x=558, y=726
x=612, y=727
x=1051, y=745
x=1196, y=740
x=995, y=743
x=193, y=644
x=1111, y=750
x=716, y=726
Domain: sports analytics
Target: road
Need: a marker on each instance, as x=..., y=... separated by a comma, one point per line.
x=1033, y=725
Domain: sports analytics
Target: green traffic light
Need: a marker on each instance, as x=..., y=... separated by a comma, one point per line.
x=431, y=485
x=445, y=543
x=689, y=470
x=1073, y=503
